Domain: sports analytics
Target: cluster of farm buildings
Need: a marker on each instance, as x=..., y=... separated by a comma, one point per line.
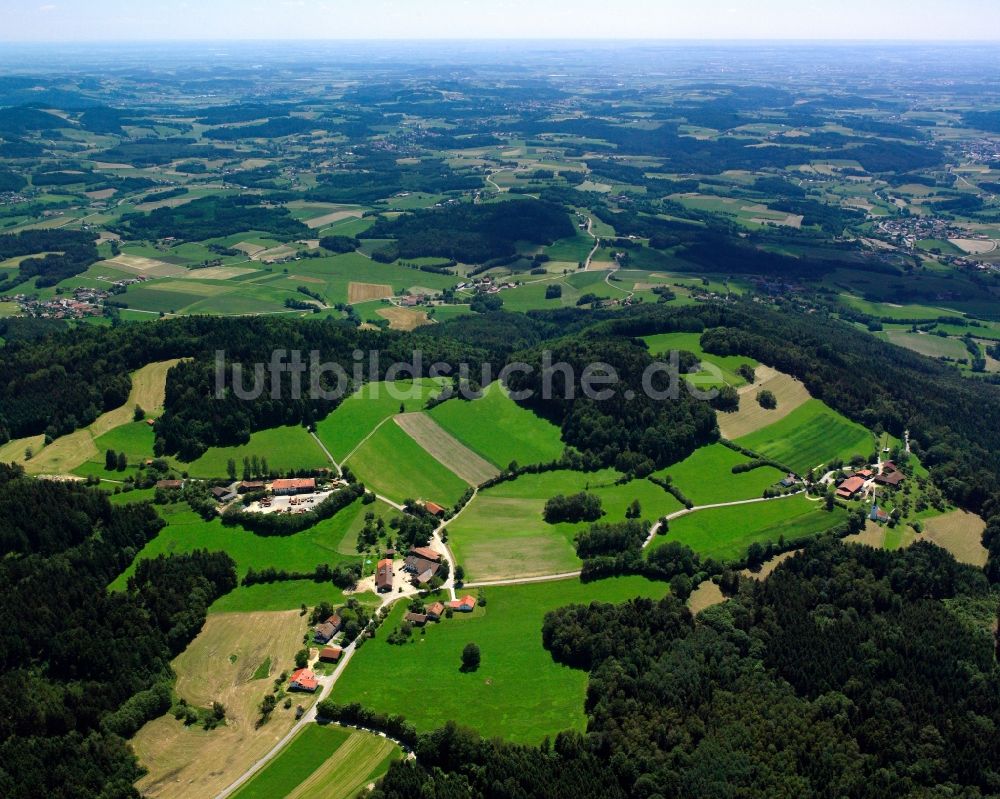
x=863, y=482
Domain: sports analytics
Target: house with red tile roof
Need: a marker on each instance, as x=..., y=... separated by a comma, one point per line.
x=464, y=605
x=303, y=680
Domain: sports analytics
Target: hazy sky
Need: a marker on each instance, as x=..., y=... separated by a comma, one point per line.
x=109, y=20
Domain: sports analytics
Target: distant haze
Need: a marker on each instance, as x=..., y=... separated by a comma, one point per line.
x=220, y=20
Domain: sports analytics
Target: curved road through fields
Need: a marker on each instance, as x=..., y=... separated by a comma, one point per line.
x=438, y=543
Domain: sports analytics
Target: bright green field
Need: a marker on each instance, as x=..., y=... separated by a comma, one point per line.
x=499, y=429
x=338, y=762
x=287, y=595
x=706, y=477
x=352, y=420
x=811, y=435
x=519, y=693
x=928, y=344
x=725, y=533
x=691, y=342
x=306, y=753
x=501, y=533
x=135, y=439
x=395, y=466
x=186, y=531
x=285, y=449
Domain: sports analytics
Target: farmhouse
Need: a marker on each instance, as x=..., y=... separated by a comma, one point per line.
x=383, y=576
x=434, y=509
x=416, y=619
x=464, y=605
x=423, y=563
x=789, y=480
x=324, y=632
x=331, y=654
x=250, y=485
x=850, y=487
x=435, y=611
x=294, y=485
x=303, y=680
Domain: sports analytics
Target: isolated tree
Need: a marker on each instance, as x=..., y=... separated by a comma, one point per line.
x=110, y=460
x=470, y=657
x=302, y=658
x=634, y=510
x=122, y=461
x=459, y=574
x=766, y=399
x=231, y=468
x=138, y=414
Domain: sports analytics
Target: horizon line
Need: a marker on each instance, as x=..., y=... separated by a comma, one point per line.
x=526, y=40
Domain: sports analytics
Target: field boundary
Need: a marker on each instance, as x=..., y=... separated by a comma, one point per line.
x=446, y=449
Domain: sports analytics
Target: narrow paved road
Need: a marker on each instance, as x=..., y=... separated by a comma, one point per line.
x=326, y=682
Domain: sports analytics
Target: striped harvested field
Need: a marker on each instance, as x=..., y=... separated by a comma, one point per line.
x=446, y=449
x=790, y=393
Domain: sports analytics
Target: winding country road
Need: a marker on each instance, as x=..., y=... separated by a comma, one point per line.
x=438, y=543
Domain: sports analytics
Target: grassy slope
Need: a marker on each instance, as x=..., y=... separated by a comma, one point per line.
x=284, y=448
x=306, y=753
x=725, y=533
x=518, y=693
x=691, y=342
x=394, y=465
x=501, y=533
x=186, y=531
x=499, y=429
x=810, y=435
x=359, y=414
x=706, y=477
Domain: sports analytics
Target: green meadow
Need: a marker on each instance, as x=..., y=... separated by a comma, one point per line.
x=501, y=533
x=706, y=477
x=284, y=448
x=500, y=430
x=725, y=533
x=518, y=693
x=287, y=595
x=691, y=342
x=811, y=435
x=343, y=429
x=393, y=465
x=323, y=760
x=187, y=531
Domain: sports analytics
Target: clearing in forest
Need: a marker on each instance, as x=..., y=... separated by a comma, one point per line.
x=961, y=533
x=71, y=451
x=446, y=449
x=789, y=391
x=219, y=666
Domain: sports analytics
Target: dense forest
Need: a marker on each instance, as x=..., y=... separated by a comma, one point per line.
x=473, y=233
x=212, y=217
x=897, y=698
x=82, y=668
x=67, y=253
